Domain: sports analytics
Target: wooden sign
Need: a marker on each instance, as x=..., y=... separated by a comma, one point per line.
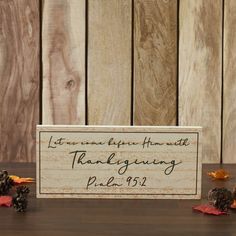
x=119, y=162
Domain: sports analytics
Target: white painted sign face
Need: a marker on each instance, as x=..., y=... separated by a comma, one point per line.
x=119, y=162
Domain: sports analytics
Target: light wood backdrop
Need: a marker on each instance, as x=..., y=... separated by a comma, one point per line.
x=118, y=62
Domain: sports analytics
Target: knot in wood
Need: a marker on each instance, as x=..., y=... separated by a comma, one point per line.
x=70, y=84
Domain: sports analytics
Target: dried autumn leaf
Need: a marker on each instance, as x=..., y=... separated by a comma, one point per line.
x=210, y=210
x=233, y=206
x=6, y=201
x=220, y=174
x=19, y=180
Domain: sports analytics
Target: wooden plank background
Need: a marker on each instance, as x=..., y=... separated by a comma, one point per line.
x=109, y=62
x=155, y=62
x=120, y=62
x=200, y=71
x=229, y=104
x=19, y=75
x=63, y=40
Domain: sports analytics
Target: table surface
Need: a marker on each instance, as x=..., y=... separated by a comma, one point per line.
x=115, y=217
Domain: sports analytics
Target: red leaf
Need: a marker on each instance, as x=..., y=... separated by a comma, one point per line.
x=210, y=210
x=6, y=201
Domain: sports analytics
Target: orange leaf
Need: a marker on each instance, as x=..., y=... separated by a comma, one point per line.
x=6, y=201
x=220, y=174
x=19, y=180
x=233, y=206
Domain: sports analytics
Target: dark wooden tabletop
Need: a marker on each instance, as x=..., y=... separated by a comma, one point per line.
x=115, y=217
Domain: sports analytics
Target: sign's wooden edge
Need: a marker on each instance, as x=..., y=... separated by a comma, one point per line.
x=171, y=129
x=100, y=196
x=102, y=127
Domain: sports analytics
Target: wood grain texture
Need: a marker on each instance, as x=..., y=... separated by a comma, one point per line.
x=63, y=42
x=19, y=76
x=155, y=62
x=200, y=71
x=109, y=62
x=229, y=105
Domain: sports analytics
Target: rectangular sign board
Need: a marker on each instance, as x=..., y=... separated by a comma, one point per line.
x=146, y=162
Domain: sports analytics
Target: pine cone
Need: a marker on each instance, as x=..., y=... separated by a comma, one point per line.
x=23, y=190
x=20, y=201
x=5, y=182
x=221, y=198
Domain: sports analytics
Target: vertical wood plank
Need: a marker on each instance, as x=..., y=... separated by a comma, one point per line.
x=229, y=105
x=63, y=42
x=200, y=66
x=155, y=62
x=109, y=62
x=19, y=76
